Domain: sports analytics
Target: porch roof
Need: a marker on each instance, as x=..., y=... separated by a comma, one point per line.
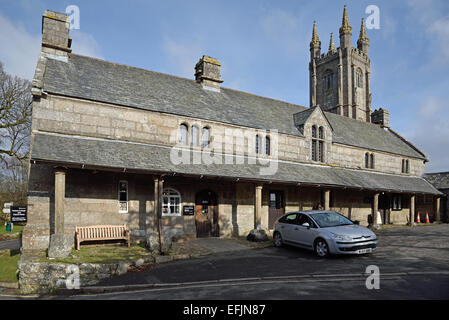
x=92, y=152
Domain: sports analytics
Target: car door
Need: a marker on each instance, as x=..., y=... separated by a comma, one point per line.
x=287, y=225
x=303, y=235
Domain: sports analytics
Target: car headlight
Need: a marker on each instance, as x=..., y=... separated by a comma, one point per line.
x=341, y=237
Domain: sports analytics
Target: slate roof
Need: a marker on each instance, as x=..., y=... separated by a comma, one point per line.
x=98, y=80
x=439, y=180
x=119, y=154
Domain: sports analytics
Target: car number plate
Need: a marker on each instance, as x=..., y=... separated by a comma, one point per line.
x=361, y=251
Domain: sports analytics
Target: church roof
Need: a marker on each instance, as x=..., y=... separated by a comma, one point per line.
x=439, y=180
x=102, y=153
x=103, y=81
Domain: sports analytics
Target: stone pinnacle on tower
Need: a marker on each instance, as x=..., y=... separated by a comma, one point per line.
x=363, y=41
x=331, y=44
x=345, y=31
x=315, y=44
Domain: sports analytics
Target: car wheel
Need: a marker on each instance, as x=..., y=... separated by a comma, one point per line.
x=321, y=248
x=277, y=239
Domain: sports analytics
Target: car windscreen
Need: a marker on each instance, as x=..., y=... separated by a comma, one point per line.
x=330, y=219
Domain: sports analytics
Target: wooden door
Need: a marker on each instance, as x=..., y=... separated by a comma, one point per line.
x=206, y=214
x=276, y=207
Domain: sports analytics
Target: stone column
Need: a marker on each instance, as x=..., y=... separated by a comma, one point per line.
x=258, y=206
x=60, y=243
x=327, y=194
x=160, y=188
x=437, y=209
x=412, y=209
x=375, y=208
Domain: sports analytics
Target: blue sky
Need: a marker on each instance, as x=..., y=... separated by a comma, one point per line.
x=263, y=47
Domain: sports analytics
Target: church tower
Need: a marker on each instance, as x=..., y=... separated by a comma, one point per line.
x=340, y=78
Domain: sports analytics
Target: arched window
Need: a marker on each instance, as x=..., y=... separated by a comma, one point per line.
x=267, y=145
x=372, y=161
x=314, y=143
x=367, y=160
x=258, y=144
x=359, y=78
x=171, y=202
x=183, y=134
x=205, y=138
x=328, y=80
x=194, y=141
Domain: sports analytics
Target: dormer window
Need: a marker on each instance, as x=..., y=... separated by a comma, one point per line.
x=317, y=144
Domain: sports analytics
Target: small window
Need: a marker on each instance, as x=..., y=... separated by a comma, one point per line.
x=123, y=196
x=267, y=146
x=183, y=134
x=397, y=202
x=367, y=160
x=405, y=166
x=205, y=138
x=171, y=203
x=258, y=144
x=195, y=136
x=372, y=161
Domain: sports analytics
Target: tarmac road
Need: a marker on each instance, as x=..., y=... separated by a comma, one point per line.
x=413, y=264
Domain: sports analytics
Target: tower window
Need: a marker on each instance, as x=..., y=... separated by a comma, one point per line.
x=359, y=78
x=328, y=81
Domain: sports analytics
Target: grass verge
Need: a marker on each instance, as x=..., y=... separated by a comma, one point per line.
x=8, y=265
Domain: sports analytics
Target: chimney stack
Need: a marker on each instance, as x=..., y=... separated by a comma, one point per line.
x=207, y=73
x=55, y=34
x=381, y=117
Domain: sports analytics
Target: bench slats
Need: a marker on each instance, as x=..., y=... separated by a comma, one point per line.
x=101, y=232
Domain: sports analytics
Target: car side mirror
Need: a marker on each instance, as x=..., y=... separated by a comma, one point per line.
x=306, y=224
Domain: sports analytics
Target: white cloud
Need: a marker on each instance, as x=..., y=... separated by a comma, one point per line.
x=182, y=57
x=19, y=49
x=430, y=132
x=85, y=44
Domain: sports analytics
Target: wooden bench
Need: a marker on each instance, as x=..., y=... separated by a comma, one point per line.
x=98, y=233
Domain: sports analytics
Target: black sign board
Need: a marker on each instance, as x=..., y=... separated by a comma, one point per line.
x=19, y=214
x=188, y=210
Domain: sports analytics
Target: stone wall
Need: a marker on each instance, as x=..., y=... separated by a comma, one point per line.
x=86, y=118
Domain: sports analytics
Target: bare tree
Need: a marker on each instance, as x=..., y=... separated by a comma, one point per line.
x=15, y=117
x=15, y=126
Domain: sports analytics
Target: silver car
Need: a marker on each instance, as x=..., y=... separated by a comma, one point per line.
x=325, y=232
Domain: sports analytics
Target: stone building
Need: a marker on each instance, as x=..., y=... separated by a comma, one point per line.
x=440, y=180
x=114, y=144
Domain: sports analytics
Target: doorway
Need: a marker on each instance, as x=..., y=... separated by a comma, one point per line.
x=206, y=214
x=276, y=207
x=384, y=208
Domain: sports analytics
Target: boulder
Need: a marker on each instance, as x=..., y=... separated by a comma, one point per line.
x=256, y=235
